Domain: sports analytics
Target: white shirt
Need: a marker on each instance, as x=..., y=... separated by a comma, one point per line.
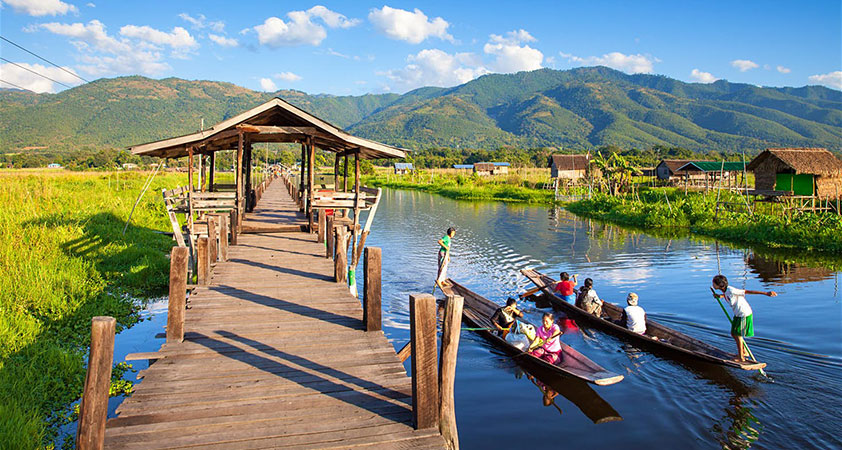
x=635, y=319
x=737, y=299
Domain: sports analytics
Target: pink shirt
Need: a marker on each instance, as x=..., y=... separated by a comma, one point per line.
x=550, y=345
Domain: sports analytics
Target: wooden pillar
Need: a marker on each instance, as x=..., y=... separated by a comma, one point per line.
x=371, y=296
x=329, y=236
x=299, y=194
x=425, y=389
x=336, y=173
x=239, y=173
x=248, y=180
x=321, y=237
x=310, y=181
x=223, y=237
x=234, y=226
x=213, y=246
x=450, y=331
x=203, y=260
x=355, y=253
x=93, y=409
x=178, y=294
x=340, y=268
x=345, y=175
x=212, y=167
x=201, y=173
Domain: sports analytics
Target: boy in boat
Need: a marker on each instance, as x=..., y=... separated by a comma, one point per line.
x=549, y=332
x=504, y=317
x=742, y=325
x=634, y=317
x=444, y=258
x=588, y=300
x=565, y=287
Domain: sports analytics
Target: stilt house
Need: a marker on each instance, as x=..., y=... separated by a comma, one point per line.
x=813, y=172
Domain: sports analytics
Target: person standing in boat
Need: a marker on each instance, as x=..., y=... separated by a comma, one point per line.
x=742, y=325
x=549, y=332
x=444, y=258
x=504, y=317
x=588, y=300
x=566, y=287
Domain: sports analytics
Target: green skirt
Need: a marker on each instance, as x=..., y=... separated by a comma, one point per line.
x=742, y=326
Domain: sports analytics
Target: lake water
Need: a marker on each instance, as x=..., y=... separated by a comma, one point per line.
x=663, y=403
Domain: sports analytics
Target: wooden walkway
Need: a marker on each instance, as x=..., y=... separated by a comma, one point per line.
x=274, y=356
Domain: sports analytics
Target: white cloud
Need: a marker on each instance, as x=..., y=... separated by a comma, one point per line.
x=90, y=5
x=41, y=7
x=637, y=63
x=287, y=76
x=783, y=69
x=511, y=56
x=831, y=80
x=201, y=22
x=268, y=85
x=434, y=67
x=702, y=77
x=178, y=38
x=223, y=41
x=33, y=82
x=410, y=26
x=744, y=65
x=300, y=29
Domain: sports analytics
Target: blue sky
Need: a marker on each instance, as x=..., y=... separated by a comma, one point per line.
x=356, y=47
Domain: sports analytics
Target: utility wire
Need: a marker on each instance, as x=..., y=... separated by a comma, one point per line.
x=44, y=59
x=19, y=87
x=36, y=73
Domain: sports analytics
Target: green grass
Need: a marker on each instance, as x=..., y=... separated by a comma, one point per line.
x=63, y=260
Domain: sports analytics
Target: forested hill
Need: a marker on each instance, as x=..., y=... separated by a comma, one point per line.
x=578, y=108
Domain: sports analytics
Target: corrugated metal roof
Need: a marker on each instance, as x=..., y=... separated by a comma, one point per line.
x=713, y=166
x=463, y=166
x=404, y=166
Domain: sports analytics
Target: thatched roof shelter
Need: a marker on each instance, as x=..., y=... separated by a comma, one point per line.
x=570, y=162
x=813, y=172
x=812, y=161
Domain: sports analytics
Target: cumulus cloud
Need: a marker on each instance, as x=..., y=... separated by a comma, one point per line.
x=28, y=80
x=511, y=53
x=41, y=7
x=199, y=22
x=178, y=38
x=744, y=65
x=410, y=26
x=831, y=80
x=223, y=41
x=300, y=29
x=434, y=67
x=268, y=85
x=637, y=63
x=702, y=77
x=783, y=69
x=287, y=76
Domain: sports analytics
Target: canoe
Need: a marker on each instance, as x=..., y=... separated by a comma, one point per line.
x=671, y=341
x=477, y=312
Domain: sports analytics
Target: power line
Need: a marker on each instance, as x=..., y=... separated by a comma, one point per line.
x=36, y=73
x=44, y=59
x=19, y=87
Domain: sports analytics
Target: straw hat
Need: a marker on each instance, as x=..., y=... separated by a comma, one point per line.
x=632, y=299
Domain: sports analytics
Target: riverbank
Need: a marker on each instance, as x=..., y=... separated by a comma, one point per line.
x=63, y=260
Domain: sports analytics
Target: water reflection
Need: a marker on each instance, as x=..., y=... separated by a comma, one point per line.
x=770, y=269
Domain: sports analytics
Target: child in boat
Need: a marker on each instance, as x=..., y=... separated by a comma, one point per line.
x=588, y=300
x=444, y=258
x=549, y=332
x=742, y=325
x=504, y=317
x=634, y=317
x=565, y=287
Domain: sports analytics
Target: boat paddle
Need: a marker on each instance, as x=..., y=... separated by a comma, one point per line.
x=745, y=344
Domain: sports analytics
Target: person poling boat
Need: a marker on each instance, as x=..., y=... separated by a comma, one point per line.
x=742, y=324
x=504, y=317
x=444, y=259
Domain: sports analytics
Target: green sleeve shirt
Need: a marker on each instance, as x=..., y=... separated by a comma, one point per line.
x=446, y=241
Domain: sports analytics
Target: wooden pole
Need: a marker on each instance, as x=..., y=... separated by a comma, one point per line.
x=301, y=172
x=425, y=389
x=450, y=332
x=178, y=294
x=329, y=237
x=235, y=228
x=336, y=173
x=213, y=246
x=239, y=175
x=371, y=296
x=340, y=269
x=201, y=173
x=248, y=172
x=223, y=237
x=203, y=260
x=356, y=206
x=310, y=181
x=321, y=237
x=212, y=168
x=93, y=409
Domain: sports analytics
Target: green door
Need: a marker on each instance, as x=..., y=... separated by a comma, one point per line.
x=800, y=184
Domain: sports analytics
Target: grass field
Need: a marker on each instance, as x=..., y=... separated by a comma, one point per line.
x=63, y=260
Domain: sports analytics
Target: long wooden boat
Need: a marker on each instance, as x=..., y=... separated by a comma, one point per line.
x=477, y=312
x=657, y=336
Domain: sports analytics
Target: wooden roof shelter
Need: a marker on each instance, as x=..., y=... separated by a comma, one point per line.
x=801, y=171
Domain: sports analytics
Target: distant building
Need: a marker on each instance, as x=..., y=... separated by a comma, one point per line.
x=54, y=166
x=129, y=166
x=571, y=167
x=802, y=171
x=403, y=168
x=668, y=169
x=491, y=168
x=466, y=167
x=713, y=172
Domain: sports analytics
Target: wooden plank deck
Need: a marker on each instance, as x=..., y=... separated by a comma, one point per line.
x=274, y=356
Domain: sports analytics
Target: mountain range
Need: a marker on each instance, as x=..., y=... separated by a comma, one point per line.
x=578, y=108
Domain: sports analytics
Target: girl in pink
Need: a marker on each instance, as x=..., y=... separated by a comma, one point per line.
x=550, y=351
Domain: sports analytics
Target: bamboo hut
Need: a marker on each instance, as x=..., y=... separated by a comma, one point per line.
x=570, y=167
x=813, y=172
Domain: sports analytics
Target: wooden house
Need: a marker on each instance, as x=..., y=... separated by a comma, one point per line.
x=491, y=168
x=571, y=167
x=813, y=172
x=668, y=169
x=712, y=172
x=465, y=167
x=403, y=168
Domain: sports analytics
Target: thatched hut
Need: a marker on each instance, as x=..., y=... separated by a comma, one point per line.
x=802, y=171
x=571, y=167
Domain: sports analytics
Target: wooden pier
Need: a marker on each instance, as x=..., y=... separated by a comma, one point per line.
x=275, y=354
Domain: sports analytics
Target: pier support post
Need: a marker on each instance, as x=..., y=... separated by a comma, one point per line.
x=371, y=296
x=93, y=409
x=450, y=331
x=213, y=246
x=321, y=236
x=203, y=259
x=223, y=238
x=331, y=242
x=178, y=294
x=425, y=389
x=233, y=224
x=340, y=262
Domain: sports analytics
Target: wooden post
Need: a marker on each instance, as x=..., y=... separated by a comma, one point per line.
x=203, y=260
x=239, y=172
x=212, y=168
x=213, y=243
x=371, y=296
x=329, y=233
x=233, y=225
x=93, y=409
x=425, y=389
x=201, y=173
x=178, y=294
x=310, y=181
x=301, y=180
x=336, y=173
x=345, y=175
x=190, y=168
x=223, y=238
x=355, y=253
x=321, y=237
x=450, y=332
x=248, y=172
x=340, y=269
